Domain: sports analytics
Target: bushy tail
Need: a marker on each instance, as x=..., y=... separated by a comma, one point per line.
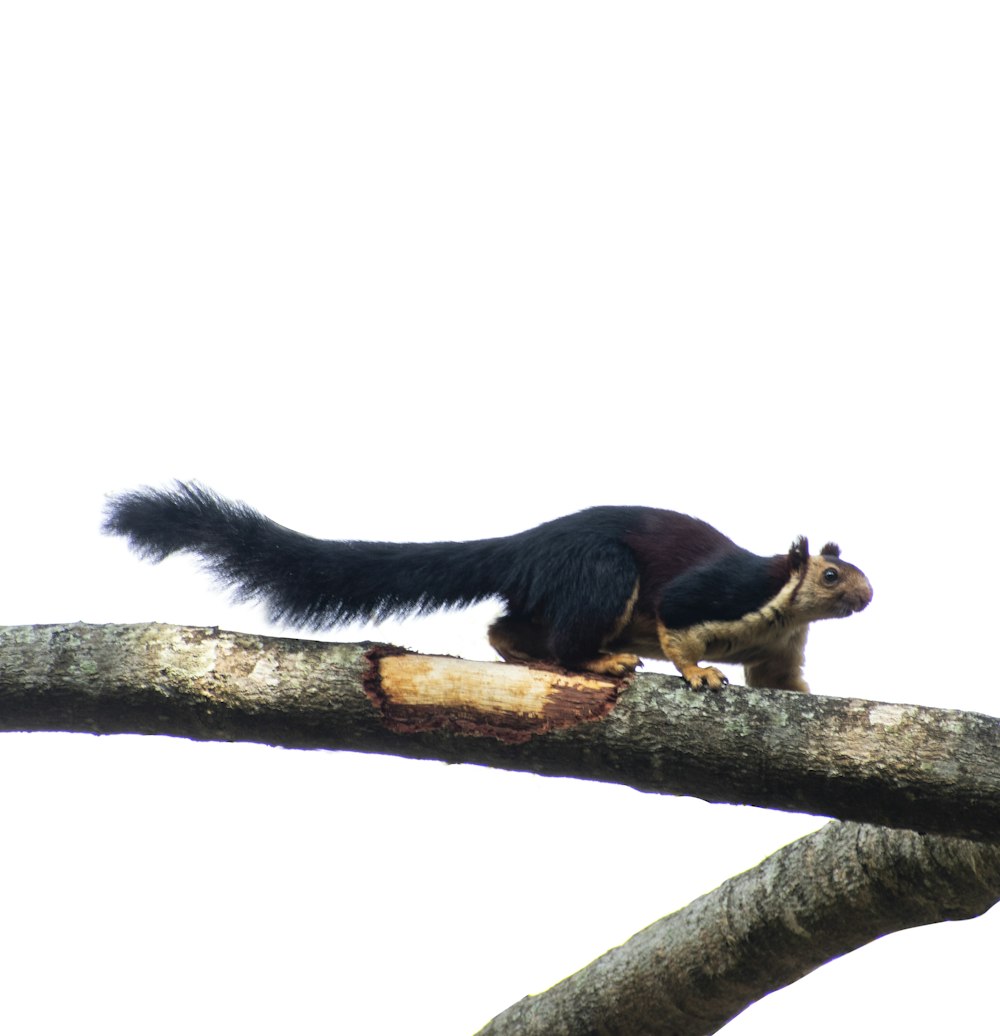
x=302, y=580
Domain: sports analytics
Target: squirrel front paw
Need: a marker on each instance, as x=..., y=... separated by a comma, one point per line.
x=703, y=677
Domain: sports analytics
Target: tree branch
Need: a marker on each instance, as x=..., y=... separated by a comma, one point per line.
x=816, y=899
x=904, y=766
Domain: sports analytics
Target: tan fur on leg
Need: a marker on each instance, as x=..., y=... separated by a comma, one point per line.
x=620, y=664
x=685, y=651
x=782, y=668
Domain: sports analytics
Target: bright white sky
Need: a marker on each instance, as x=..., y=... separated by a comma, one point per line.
x=446, y=270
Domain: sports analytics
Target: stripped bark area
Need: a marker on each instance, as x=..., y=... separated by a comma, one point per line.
x=512, y=703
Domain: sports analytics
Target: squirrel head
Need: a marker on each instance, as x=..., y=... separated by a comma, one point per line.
x=827, y=587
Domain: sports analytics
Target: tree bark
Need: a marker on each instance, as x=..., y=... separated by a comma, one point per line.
x=929, y=770
x=905, y=766
x=818, y=898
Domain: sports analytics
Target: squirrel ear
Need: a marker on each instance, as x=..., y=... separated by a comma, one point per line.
x=831, y=550
x=799, y=553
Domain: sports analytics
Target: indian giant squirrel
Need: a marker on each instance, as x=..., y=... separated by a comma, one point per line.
x=590, y=591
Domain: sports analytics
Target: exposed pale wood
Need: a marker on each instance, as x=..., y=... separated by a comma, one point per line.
x=511, y=703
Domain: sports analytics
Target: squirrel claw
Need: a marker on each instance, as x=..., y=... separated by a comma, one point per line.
x=704, y=678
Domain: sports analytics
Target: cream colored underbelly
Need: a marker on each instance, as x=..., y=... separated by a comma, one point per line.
x=750, y=639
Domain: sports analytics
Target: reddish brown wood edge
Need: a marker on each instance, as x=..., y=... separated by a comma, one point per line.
x=502, y=700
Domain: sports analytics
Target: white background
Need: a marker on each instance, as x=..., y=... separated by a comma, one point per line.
x=445, y=270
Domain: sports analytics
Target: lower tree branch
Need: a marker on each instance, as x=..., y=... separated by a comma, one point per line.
x=816, y=899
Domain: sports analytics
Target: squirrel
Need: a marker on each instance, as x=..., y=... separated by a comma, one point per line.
x=592, y=591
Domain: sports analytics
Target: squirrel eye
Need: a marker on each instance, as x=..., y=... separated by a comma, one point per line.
x=830, y=576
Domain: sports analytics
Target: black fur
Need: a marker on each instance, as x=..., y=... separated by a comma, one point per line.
x=302, y=580
x=566, y=583
x=728, y=586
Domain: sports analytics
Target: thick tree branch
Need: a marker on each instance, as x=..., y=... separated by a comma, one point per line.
x=903, y=766
x=818, y=898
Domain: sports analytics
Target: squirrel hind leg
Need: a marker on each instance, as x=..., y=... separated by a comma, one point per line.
x=581, y=640
x=516, y=639
x=575, y=627
x=522, y=640
x=616, y=664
